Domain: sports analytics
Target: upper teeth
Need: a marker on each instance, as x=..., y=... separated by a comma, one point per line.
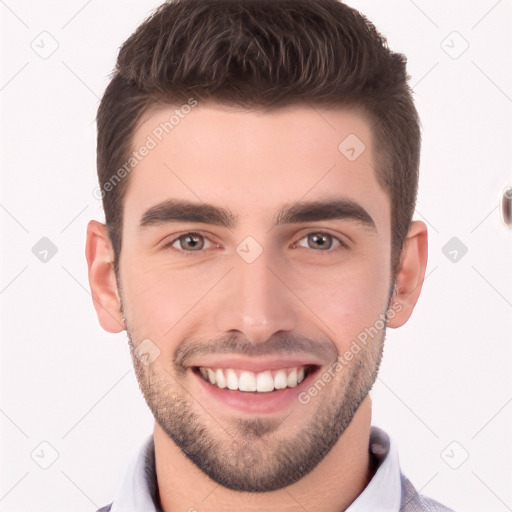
x=244, y=380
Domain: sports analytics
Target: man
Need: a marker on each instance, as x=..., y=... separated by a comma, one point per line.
x=258, y=163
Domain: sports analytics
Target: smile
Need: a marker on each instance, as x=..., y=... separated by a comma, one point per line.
x=262, y=382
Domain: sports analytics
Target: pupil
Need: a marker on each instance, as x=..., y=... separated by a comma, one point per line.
x=192, y=241
x=322, y=241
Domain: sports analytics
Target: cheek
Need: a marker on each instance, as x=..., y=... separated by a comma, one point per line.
x=159, y=298
x=349, y=300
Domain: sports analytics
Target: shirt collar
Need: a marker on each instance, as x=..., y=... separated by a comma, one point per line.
x=139, y=490
x=384, y=492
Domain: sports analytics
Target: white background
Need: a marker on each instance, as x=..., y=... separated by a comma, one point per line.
x=444, y=390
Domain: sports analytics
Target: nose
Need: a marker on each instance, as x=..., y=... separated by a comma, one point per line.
x=255, y=300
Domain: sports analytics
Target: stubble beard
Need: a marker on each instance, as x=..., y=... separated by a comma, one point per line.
x=257, y=455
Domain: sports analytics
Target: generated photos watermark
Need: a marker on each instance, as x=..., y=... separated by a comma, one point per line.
x=365, y=336
x=157, y=135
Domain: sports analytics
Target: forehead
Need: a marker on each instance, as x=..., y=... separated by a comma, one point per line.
x=253, y=161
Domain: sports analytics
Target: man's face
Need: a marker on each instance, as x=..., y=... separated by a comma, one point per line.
x=270, y=283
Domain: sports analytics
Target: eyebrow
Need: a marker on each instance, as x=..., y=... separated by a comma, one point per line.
x=173, y=210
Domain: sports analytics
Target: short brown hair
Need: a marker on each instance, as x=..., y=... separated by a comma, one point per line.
x=264, y=54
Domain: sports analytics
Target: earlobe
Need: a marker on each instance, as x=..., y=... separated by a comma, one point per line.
x=410, y=275
x=102, y=279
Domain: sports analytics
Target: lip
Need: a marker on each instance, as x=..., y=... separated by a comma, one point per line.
x=252, y=402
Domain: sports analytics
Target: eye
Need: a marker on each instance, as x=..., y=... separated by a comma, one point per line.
x=320, y=241
x=189, y=242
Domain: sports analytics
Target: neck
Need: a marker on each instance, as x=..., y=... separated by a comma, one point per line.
x=331, y=486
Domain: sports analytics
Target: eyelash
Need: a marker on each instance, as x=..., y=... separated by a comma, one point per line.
x=169, y=244
x=342, y=244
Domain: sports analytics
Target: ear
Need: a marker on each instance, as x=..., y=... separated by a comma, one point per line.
x=102, y=278
x=410, y=275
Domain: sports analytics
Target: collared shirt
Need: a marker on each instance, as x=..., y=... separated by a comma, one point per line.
x=387, y=491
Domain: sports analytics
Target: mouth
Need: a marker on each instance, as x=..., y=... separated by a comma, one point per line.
x=266, y=381
x=266, y=391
